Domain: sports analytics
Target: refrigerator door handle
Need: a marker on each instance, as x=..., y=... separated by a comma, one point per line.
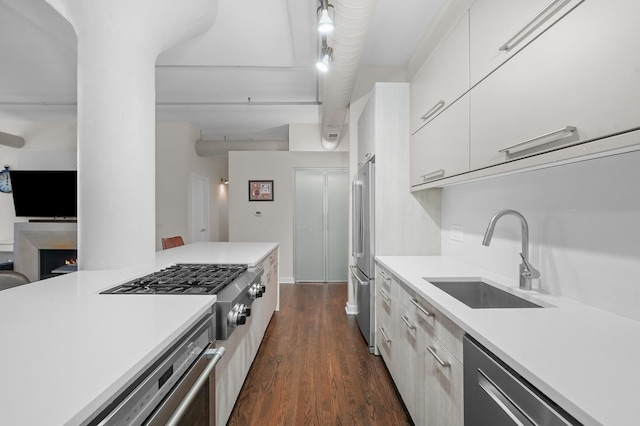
x=354, y=273
x=357, y=224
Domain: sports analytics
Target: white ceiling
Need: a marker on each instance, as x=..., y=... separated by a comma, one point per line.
x=247, y=78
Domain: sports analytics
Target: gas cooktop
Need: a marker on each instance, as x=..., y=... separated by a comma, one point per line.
x=183, y=278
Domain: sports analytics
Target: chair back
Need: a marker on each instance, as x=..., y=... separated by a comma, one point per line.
x=10, y=279
x=171, y=242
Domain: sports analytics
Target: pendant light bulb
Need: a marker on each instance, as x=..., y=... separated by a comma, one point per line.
x=323, y=65
x=325, y=24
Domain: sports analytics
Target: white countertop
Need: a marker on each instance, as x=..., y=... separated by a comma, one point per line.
x=67, y=350
x=583, y=358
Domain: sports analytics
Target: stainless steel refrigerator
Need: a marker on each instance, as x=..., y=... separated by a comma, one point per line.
x=363, y=270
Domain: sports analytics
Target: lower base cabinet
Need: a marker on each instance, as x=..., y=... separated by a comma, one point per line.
x=243, y=344
x=427, y=374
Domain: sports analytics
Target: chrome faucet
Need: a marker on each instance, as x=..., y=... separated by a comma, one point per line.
x=527, y=272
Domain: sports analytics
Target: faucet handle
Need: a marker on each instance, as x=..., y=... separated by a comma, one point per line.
x=529, y=270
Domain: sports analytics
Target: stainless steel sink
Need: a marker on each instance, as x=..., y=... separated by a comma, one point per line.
x=480, y=295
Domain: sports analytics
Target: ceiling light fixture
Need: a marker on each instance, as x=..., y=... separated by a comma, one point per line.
x=325, y=23
x=326, y=56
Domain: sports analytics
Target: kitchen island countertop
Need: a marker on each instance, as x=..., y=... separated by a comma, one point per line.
x=583, y=358
x=68, y=350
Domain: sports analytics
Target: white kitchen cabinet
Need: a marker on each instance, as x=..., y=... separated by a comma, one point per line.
x=243, y=344
x=441, y=148
x=577, y=82
x=384, y=331
x=443, y=78
x=442, y=383
x=498, y=29
x=410, y=339
x=366, y=132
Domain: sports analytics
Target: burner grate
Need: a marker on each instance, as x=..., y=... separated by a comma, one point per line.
x=183, y=278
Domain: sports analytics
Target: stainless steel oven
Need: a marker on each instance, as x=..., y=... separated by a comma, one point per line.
x=178, y=389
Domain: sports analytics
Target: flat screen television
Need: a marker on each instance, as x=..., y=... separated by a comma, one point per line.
x=44, y=193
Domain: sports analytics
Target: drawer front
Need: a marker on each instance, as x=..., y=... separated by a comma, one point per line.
x=432, y=320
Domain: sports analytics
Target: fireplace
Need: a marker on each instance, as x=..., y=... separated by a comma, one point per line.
x=51, y=259
x=30, y=238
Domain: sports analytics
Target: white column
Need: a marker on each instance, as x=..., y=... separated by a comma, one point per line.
x=118, y=43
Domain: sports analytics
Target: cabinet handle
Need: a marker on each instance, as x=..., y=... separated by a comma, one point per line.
x=538, y=140
x=421, y=308
x=516, y=38
x=387, y=298
x=432, y=175
x=432, y=351
x=384, y=335
x=406, y=321
x=386, y=278
x=437, y=107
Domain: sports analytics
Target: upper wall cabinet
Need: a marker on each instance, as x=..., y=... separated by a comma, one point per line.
x=578, y=81
x=441, y=148
x=443, y=78
x=500, y=28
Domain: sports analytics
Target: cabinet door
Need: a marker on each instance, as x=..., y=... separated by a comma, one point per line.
x=500, y=28
x=408, y=358
x=442, y=385
x=441, y=148
x=366, y=131
x=577, y=82
x=443, y=78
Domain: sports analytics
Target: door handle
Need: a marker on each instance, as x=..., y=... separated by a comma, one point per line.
x=354, y=275
x=215, y=355
x=539, y=140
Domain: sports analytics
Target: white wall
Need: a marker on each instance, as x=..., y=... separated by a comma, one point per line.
x=276, y=222
x=584, y=221
x=176, y=161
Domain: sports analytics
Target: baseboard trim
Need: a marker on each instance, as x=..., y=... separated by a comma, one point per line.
x=287, y=280
x=351, y=309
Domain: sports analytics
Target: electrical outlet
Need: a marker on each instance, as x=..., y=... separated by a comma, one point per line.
x=258, y=213
x=456, y=233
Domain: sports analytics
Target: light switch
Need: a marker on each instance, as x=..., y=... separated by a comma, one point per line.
x=456, y=233
x=258, y=213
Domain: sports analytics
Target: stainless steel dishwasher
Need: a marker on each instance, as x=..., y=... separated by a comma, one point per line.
x=496, y=395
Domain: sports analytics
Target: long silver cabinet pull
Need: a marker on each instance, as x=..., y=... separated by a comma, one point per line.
x=384, y=335
x=386, y=278
x=406, y=321
x=432, y=351
x=538, y=140
x=437, y=107
x=515, y=39
x=421, y=308
x=432, y=175
x=215, y=355
x=387, y=298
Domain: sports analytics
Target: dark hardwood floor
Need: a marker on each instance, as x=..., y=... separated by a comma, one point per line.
x=313, y=367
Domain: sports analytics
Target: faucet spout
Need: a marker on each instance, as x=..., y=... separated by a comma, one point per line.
x=527, y=272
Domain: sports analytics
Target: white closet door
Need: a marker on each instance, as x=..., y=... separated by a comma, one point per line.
x=309, y=187
x=321, y=203
x=337, y=225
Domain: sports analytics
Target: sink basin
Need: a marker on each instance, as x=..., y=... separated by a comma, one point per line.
x=480, y=295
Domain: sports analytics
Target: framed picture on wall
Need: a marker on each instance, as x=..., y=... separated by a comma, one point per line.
x=260, y=190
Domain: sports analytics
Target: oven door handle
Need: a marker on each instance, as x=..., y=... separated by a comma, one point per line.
x=214, y=355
